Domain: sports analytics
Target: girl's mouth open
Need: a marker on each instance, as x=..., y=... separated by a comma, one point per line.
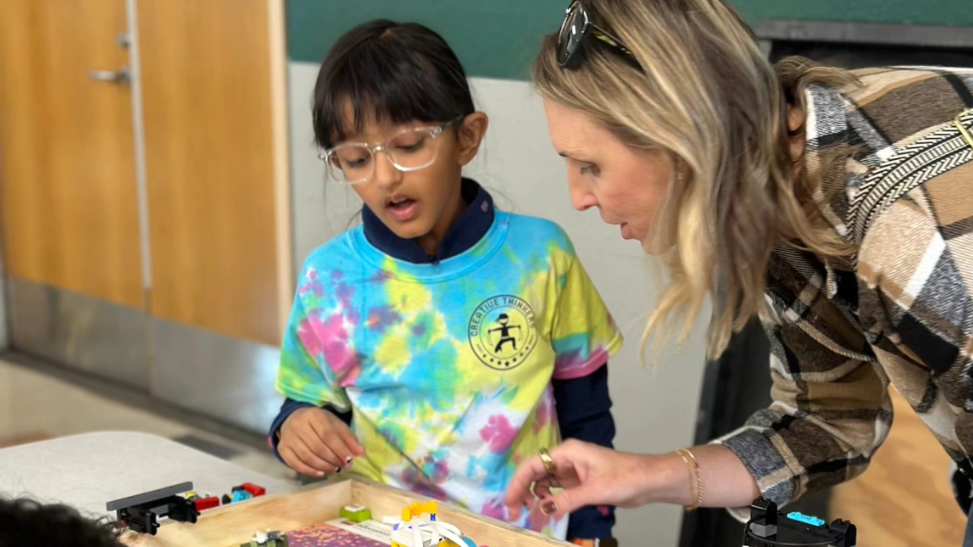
x=403, y=208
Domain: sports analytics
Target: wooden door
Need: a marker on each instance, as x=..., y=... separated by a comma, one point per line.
x=68, y=201
x=213, y=165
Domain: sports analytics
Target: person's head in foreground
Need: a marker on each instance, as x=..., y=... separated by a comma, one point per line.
x=27, y=523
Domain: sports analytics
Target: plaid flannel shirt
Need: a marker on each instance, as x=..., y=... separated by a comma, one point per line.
x=899, y=310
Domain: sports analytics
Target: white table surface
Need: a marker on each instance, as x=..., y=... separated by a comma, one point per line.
x=87, y=471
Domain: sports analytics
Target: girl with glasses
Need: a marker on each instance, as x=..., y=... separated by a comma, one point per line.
x=444, y=341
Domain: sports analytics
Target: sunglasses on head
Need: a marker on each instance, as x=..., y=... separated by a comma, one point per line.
x=576, y=30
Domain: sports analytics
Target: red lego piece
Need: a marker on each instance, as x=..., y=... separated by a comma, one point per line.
x=207, y=503
x=254, y=489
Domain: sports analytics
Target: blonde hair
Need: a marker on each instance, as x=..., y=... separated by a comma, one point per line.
x=708, y=97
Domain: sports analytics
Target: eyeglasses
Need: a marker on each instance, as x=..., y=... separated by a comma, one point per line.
x=575, y=31
x=409, y=150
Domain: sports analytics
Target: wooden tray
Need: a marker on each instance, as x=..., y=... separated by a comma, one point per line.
x=233, y=525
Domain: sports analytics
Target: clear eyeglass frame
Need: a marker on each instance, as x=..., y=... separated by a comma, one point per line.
x=336, y=173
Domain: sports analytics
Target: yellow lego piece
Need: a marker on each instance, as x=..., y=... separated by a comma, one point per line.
x=418, y=509
x=408, y=534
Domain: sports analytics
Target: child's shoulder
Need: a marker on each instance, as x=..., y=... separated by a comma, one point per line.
x=337, y=252
x=537, y=231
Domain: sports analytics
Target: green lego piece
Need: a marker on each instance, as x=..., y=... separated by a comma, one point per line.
x=276, y=539
x=356, y=513
x=268, y=539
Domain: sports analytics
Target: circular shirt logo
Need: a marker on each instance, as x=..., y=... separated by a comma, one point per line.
x=502, y=332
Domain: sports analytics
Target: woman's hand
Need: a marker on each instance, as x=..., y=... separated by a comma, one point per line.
x=589, y=475
x=316, y=442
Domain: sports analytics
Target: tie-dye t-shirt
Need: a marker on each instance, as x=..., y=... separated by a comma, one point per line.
x=447, y=367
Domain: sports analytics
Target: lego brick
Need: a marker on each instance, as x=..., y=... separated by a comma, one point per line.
x=254, y=489
x=240, y=495
x=149, y=496
x=356, y=513
x=207, y=503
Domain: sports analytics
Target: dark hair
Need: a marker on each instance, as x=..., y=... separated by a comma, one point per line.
x=396, y=72
x=24, y=522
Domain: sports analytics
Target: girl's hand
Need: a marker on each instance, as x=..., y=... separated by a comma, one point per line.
x=315, y=442
x=588, y=475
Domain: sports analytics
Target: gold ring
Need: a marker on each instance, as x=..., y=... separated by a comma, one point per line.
x=549, y=466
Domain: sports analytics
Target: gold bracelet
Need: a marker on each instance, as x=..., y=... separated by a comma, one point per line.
x=693, y=471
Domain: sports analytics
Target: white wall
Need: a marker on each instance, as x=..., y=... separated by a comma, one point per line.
x=654, y=412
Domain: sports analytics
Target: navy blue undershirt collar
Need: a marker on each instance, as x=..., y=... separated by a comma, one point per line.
x=471, y=226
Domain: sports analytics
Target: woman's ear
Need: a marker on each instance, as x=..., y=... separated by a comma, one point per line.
x=470, y=134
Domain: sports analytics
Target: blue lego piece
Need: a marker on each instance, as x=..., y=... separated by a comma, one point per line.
x=806, y=519
x=241, y=495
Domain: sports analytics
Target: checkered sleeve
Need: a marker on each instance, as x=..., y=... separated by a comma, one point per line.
x=830, y=408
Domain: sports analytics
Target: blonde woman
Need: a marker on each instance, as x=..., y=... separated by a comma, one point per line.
x=836, y=206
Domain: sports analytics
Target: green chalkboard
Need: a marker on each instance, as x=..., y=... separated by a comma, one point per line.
x=923, y=12
x=498, y=38
x=493, y=38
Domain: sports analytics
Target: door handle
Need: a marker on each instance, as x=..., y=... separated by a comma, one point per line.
x=123, y=76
